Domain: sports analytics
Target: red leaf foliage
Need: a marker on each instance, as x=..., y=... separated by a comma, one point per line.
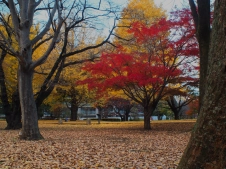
x=193, y=107
x=167, y=49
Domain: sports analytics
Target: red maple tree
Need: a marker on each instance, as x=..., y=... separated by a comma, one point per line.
x=150, y=73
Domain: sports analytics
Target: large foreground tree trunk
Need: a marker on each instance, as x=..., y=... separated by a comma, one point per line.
x=207, y=148
x=30, y=130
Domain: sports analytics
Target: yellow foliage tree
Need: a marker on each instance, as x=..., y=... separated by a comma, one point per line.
x=144, y=11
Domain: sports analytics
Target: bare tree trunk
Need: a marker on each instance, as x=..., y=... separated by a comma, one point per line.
x=30, y=130
x=207, y=148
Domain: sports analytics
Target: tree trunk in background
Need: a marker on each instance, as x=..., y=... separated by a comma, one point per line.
x=202, y=22
x=4, y=96
x=148, y=111
x=207, y=148
x=147, y=116
x=176, y=115
x=127, y=115
x=16, y=111
x=15, y=114
x=174, y=107
x=74, y=110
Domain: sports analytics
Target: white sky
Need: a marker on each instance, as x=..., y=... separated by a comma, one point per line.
x=170, y=4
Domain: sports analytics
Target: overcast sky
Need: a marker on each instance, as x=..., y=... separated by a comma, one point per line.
x=170, y=4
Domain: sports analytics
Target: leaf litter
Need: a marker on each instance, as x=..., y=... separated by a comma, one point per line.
x=113, y=146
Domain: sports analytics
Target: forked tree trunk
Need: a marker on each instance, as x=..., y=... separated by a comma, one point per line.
x=207, y=148
x=30, y=130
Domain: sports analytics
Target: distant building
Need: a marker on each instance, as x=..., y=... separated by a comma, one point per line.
x=87, y=111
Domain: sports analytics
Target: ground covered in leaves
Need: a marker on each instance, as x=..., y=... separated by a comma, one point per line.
x=113, y=145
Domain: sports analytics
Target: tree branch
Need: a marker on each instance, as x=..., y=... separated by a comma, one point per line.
x=91, y=47
x=14, y=15
x=47, y=27
x=194, y=12
x=41, y=42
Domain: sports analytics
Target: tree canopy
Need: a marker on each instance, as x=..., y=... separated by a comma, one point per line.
x=147, y=75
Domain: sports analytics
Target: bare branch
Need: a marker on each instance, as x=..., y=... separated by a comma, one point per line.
x=80, y=61
x=47, y=27
x=194, y=12
x=41, y=42
x=91, y=47
x=119, y=37
x=31, y=10
x=14, y=14
x=6, y=3
x=38, y=2
x=40, y=73
x=9, y=50
x=99, y=4
x=50, y=48
x=6, y=45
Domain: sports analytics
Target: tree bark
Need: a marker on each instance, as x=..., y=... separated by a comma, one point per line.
x=30, y=129
x=147, y=124
x=202, y=23
x=148, y=111
x=207, y=148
